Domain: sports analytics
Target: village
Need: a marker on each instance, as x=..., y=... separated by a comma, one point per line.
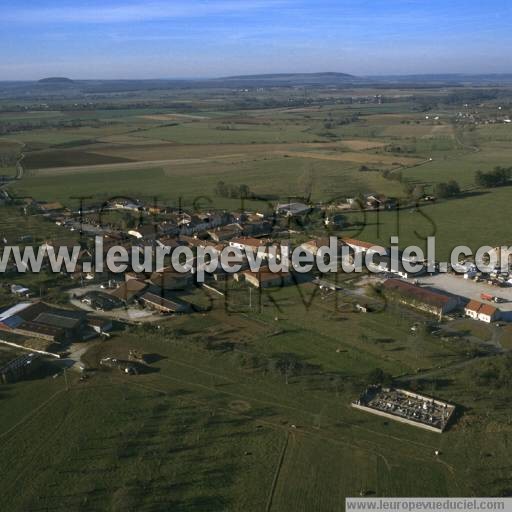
x=101, y=304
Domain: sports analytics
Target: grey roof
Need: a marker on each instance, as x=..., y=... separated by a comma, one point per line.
x=55, y=320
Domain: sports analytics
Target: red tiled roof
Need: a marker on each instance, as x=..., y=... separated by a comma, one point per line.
x=473, y=305
x=415, y=292
x=481, y=308
x=487, y=309
x=265, y=274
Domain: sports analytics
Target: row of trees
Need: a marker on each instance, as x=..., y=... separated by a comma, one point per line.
x=233, y=191
x=498, y=177
x=443, y=190
x=330, y=122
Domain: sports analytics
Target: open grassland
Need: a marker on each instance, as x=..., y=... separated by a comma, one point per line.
x=324, y=331
x=474, y=220
x=189, y=178
x=206, y=431
x=109, y=445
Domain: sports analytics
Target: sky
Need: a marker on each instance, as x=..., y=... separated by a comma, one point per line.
x=213, y=38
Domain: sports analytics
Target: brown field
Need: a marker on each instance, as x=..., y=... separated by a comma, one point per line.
x=362, y=144
x=173, y=117
x=63, y=158
x=125, y=138
x=442, y=129
x=416, y=130
x=159, y=151
x=110, y=159
x=10, y=145
x=363, y=158
x=392, y=119
x=124, y=166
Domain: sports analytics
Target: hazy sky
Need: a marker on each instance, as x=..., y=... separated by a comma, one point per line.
x=202, y=38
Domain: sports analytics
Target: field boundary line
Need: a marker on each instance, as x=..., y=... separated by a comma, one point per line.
x=278, y=471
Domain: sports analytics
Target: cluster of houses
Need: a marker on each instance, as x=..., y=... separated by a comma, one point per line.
x=173, y=227
x=152, y=221
x=152, y=292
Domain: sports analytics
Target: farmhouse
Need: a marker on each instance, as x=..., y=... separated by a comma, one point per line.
x=385, y=264
x=169, y=279
x=249, y=243
x=225, y=233
x=480, y=311
x=163, y=305
x=364, y=247
x=292, y=209
x=265, y=278
x=129, y=290
x=421, y=298
x=190, y=224
x=320, y=245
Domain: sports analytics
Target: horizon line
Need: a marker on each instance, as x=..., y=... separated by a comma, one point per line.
x=265, y=74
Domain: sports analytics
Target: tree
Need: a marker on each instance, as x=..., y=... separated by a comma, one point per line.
x=306, y=181
x=445, y=190
x=453, y=188
x=244, y=191
x=221, y=189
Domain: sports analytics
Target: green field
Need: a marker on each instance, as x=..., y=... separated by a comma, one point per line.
x=280, y=153
x=208, y=430
x=249, y=408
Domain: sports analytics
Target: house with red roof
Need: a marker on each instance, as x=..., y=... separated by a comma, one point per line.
x=480, y=311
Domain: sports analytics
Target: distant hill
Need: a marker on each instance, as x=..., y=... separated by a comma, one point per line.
x=289, y=79
x=291, y=76
x=56, y=80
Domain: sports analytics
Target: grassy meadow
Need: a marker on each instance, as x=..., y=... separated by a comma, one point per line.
x=216, y=422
